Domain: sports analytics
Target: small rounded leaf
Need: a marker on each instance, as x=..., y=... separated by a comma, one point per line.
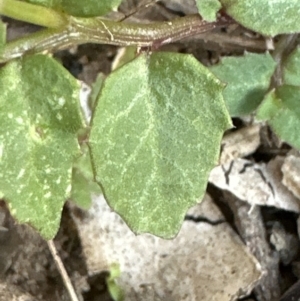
x=208, y=9
x=281, y=109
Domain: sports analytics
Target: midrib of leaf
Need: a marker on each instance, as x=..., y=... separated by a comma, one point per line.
x=150, y=130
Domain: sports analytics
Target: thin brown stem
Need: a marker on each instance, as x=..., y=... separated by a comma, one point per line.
x=283, y=47
x=62, y=270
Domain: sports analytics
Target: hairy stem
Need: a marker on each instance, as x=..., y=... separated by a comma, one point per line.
x=100, y=31
x=141, y=35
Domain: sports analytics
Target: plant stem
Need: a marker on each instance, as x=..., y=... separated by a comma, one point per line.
x=31, y=13
x=100, y=31
x=283, y=47
x=141, y=35
x=62, y=270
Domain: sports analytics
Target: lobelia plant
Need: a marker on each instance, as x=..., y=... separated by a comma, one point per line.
x=157, y=121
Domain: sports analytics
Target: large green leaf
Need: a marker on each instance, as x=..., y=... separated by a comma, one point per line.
x=269, y=17
x=282, y=110
x=208, y=9
x=87, y=8
x=40, y=117
x=155, y=137
x=247, y=79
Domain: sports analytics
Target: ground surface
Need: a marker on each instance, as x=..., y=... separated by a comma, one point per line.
x=241, y=242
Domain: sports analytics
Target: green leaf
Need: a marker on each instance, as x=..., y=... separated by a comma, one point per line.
x=155, y=136
x=87, y=8
x=2, y=35
x=208, y=9
x=40, y=117
x=115, y=291
x=268, y=17
x=83, y=189
x=269, y=107
x=125, y=55
x=83, y=184
x=247, y=80
x=291, y=69
x=96, y=88
x=46, y=3
x=281, y=109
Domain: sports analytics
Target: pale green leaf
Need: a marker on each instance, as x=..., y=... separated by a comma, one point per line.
x=281, y=109
x=83, y=184
x=125, y=55
x=115, y=291
x=247, y=79
x=270, y=106
x=291, y=69
x=155, y=137
x=87, y=8
x=2, y=35
x=83, y=189
x=269, y=17
x=96, y=88
x=208, y=9
x=47, y=3
x=40, y=117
